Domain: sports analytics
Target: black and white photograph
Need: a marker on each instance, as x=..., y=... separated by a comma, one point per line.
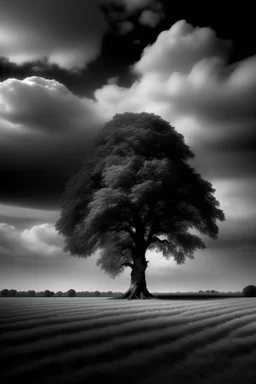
x=127, y=192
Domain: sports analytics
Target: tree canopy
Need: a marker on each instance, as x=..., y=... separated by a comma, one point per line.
x=136, y=191
x=71, y=292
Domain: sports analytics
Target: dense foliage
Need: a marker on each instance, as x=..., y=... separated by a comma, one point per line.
x=135, y=192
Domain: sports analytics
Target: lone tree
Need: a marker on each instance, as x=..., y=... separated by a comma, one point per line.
x=136, y=192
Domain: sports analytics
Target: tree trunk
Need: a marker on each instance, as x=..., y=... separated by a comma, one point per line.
x=138, y=288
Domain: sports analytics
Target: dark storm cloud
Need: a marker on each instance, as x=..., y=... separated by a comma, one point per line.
x=45, y=134
x=69, y=35
x=54, y=36
x=117, y=52
x=45, y=129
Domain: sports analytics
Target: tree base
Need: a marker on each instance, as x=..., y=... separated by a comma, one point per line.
x=136, y=294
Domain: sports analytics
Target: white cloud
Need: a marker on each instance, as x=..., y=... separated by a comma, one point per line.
x=150, y=18
x=42, y=105
x=34, y=32
x=43, y=239
x=38, y=241
x=210, y=93
x=180, y=48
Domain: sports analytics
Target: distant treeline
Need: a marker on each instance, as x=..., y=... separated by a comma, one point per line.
x=48, y=293
x=73, y=293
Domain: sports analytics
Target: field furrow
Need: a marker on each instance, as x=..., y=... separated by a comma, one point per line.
x=18, y=320
x=56, y=344
x=21, y=313
x=92, y=322
x=79, y=339
x=144, y=341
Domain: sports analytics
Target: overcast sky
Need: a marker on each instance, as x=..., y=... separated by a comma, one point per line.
x=66, y=67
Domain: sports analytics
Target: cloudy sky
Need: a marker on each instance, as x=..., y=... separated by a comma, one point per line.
x=66, y=67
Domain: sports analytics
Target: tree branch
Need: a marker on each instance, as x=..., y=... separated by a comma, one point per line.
x=155, y=238
x=156, y=226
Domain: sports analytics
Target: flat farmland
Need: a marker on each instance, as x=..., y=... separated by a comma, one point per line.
x=83, y=340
